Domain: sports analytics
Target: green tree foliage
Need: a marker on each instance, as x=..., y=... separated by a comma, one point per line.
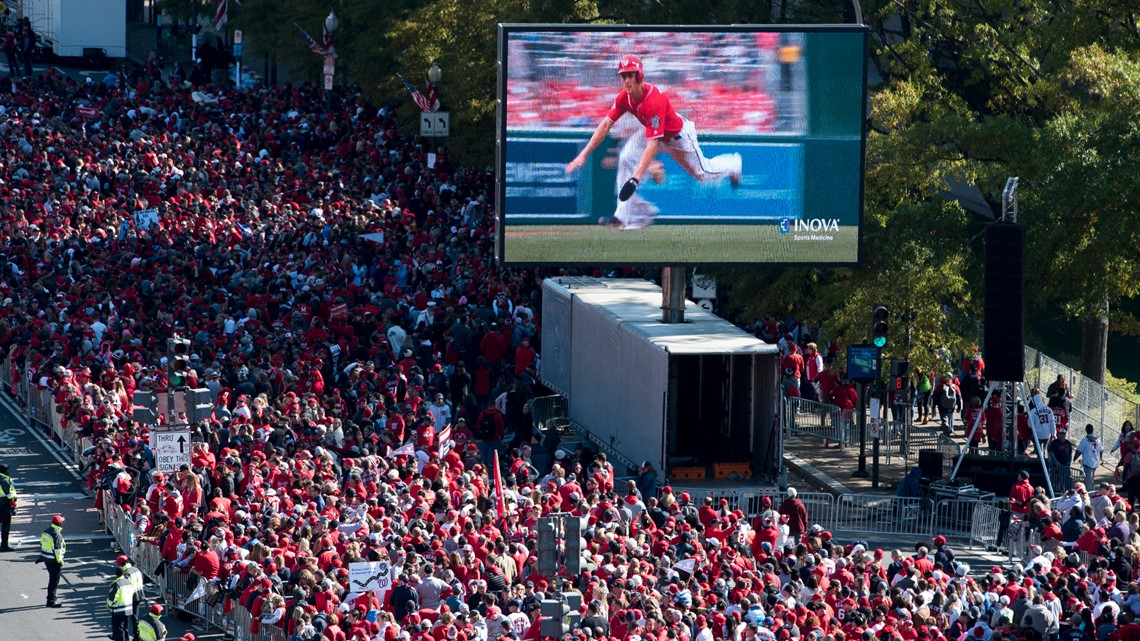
x=973, y=92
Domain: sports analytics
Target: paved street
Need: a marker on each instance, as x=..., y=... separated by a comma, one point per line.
x=46, y=487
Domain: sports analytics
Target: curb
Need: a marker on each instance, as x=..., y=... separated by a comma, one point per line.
x=816, y=475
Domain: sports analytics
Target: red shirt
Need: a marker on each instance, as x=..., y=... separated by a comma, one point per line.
x=653, y=111
x=206, y=563
x=1019, y=497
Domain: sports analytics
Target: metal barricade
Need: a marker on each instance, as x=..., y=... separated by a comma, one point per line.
x=820, y=505
x=819, y=420
x=738, y=498
x=543, y=409
x=1019, y=538
x=970, y=520
x=243, y=620
x=880, y=514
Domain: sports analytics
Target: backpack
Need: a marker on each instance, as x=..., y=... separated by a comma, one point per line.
x=949, y=396
x=485, y=429
x=924, y=385
x=1134, y=465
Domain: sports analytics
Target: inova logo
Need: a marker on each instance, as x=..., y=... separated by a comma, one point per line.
x=785, y=225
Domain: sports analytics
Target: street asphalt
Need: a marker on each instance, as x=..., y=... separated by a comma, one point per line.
x=46, y=487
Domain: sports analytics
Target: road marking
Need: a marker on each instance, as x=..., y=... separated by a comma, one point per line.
x=11, y=406
x=86, y=538
x=74, y=496
x=26, y=484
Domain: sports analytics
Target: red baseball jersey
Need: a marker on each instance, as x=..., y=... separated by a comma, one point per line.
x=653, y=111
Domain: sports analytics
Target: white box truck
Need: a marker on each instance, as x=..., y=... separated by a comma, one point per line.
x=79, y=28
x=683, y=394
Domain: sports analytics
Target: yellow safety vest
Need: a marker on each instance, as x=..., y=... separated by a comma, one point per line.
x=52, y=545
x=135, y=576
x=7, y=487
x=151, y=629
x=122, y=598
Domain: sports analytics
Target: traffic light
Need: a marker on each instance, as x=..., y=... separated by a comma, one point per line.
x=198, y=405
x=145, y=408
x=900, y=377
x=880, y=317
x=573, y=601
x=554, y=623
x=572, y=530
x=547, y=547
x=177, y=361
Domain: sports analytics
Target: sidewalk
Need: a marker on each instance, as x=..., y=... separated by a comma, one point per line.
x=831, y=468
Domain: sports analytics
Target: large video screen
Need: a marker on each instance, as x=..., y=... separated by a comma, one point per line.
x=681, y=145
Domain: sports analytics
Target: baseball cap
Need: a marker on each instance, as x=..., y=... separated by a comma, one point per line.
x=57, y=519
x=630, y=64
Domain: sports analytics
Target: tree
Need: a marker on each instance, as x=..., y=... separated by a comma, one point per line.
x=973, y=92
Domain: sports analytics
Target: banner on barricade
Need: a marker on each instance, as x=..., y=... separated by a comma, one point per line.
x=365, y=576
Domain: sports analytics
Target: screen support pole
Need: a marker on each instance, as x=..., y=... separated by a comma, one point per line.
x=673, y=294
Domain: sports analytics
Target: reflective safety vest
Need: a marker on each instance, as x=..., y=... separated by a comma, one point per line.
x=135, y=576
x=7, y=487
x=151, y=629
x=52, y=546
x=122, y=597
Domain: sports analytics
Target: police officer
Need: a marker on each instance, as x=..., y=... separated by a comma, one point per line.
x=52, y=549
x=135, y=576
x=7, y=506
x=150, y=627
x=121, y=601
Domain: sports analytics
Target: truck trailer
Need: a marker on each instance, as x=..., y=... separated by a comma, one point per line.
x=685, y=395
x=79, y=28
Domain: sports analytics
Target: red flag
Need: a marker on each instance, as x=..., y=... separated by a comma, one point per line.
x=500, y=504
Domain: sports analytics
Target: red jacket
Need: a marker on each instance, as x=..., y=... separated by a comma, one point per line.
x=1019, y=496
x=797, y=515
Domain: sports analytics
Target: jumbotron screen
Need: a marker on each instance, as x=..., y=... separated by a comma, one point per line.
x=622, y=145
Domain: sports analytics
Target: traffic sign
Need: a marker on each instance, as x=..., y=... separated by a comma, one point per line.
x=171, y=449
x=435, y=124
x=237, y=36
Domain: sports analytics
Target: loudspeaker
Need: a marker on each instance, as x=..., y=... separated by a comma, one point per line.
x=930, y=462
x=1005, y=289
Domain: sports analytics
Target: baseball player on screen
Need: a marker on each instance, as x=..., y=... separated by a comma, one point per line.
x=666, y=131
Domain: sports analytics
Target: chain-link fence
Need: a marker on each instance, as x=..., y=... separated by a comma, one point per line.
x=1093, y=403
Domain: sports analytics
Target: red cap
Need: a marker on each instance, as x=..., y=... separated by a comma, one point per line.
x=630, y=64
x=122, y=560
x=57, y=519
x=156, y=608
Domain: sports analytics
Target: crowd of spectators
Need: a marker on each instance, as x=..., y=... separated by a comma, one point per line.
x=337, y=285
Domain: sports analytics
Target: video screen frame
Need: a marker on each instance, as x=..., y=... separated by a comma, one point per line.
x=647, y=255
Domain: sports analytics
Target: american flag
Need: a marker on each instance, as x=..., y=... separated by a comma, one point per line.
x=325, y=50
x=425, y=104
x=220, y=14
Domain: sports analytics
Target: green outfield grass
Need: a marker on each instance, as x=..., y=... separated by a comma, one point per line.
x=679, y=244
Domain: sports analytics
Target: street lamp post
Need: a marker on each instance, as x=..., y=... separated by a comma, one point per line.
x=434, y=74
x=332, y=23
